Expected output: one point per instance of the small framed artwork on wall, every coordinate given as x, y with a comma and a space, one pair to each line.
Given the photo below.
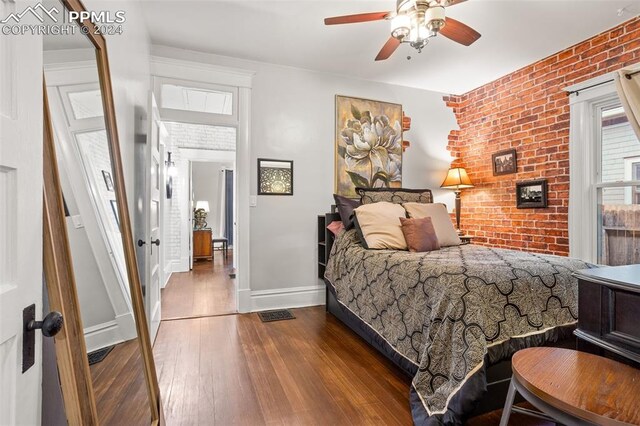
275, 177
505, 162
108, 181
531, 194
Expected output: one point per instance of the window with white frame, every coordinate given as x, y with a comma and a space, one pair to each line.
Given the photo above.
196, 102
604, 210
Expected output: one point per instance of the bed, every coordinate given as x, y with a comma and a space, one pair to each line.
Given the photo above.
452, 318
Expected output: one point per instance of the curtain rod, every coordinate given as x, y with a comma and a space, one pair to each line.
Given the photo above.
577, 92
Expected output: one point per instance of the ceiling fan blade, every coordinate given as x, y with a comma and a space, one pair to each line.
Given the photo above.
387, 50
352, 19
459, 32
452, 2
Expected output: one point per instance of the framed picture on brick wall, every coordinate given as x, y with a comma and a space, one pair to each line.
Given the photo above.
531, 194
505, 162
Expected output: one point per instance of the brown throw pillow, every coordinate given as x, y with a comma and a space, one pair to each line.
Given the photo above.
420, 234
442, 223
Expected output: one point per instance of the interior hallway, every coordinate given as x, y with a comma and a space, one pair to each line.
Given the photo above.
205, 291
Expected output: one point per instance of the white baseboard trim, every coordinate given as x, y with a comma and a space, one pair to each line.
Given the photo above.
244, 301
167, 275
180, 265
102, 335
281, 298
127, 326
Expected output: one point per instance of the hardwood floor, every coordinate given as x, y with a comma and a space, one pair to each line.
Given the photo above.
205, 291
309, 371
119, 387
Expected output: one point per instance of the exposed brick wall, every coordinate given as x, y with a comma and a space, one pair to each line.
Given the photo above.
528, 110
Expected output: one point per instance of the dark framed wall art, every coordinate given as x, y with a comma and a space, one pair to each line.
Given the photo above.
532, 194
504, 162
275, 177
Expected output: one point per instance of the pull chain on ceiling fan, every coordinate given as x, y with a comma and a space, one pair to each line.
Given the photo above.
415, 22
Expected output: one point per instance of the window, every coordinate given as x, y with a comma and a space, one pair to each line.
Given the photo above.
194, 99
604, 204
618, 221
196, 102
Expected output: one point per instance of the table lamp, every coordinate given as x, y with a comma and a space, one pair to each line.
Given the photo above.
200, 214
457, 179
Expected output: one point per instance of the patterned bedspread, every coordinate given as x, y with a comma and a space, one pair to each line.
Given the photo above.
444, 309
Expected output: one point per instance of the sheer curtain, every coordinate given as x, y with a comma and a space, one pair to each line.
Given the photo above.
628, 86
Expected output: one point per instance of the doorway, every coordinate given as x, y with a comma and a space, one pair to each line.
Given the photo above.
203, 212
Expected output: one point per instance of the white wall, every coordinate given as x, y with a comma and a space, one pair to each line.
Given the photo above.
292, 118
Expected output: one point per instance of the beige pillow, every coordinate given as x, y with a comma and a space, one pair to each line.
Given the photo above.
380, 225
445, 231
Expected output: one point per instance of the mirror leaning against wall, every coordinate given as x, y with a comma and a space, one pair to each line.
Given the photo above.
104, 354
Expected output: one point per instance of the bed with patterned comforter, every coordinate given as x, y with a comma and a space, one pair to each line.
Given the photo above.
451, 311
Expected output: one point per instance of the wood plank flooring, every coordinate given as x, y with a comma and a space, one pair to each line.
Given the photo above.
313, 370
204, 291
119, 387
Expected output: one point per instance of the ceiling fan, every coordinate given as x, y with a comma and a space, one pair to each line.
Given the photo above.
415, 22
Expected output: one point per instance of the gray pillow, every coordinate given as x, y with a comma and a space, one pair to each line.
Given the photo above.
346, 206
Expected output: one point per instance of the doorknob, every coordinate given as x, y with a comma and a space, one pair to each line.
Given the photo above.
50, 325
156, 242
141, 243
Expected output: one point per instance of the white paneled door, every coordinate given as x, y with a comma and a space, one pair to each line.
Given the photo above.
20, 222
153, 217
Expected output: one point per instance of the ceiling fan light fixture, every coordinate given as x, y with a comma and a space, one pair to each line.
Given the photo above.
405, 5
400, 26
435, 18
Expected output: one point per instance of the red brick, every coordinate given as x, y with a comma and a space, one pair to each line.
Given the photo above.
528, 110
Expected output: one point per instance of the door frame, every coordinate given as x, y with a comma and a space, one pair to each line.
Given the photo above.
188, 156
170, 67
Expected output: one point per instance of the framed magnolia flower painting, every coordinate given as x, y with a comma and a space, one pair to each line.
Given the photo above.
368, 145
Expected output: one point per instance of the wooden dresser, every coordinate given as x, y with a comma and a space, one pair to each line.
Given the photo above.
609, 312
202, 247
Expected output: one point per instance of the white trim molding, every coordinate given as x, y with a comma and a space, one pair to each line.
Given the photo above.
110, 333
175, 63
281, 298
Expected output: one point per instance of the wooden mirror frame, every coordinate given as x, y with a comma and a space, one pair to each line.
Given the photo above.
71, 351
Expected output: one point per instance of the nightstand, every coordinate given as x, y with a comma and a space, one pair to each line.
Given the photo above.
466, 239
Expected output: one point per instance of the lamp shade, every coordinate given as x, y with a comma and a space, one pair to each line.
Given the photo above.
203, 205
457, 178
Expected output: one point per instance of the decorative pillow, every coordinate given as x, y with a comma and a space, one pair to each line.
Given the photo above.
345, 209
379, 225
394, 195
447, 235
336, 227
420, 234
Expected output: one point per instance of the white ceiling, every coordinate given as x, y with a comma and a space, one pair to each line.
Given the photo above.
515, 33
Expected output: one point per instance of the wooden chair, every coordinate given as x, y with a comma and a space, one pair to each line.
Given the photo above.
574, 388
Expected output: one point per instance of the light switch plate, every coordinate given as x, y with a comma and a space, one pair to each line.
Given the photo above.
77, 221
253, 200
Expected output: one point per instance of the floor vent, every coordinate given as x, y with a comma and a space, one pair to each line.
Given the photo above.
277, 315
97, 356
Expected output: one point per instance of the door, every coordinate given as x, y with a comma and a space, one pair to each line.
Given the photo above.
191, 206
20, 220
153, 219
